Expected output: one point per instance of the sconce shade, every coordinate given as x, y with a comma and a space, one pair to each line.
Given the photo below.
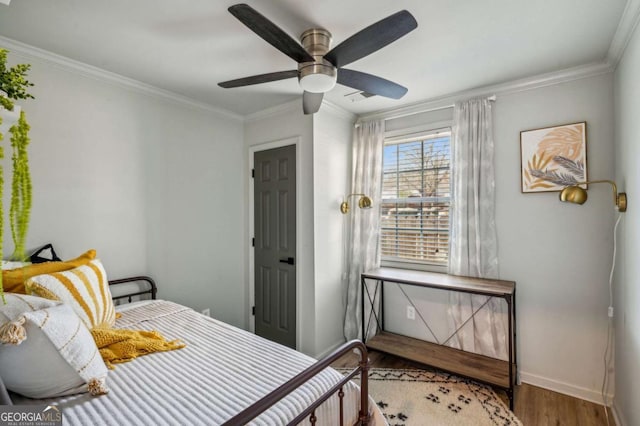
576, 194
573, 194
364, 203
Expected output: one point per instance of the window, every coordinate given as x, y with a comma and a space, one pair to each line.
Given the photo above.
415, 199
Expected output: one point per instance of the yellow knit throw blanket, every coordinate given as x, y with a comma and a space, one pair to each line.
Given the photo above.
118, 345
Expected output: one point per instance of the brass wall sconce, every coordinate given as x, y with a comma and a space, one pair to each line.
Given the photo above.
576, 194
364, 203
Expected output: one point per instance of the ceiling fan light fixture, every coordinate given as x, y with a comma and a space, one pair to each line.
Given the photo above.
320, 67
317, 78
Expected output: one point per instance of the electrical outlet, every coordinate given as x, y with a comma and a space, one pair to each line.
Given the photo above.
206, 312
411, 312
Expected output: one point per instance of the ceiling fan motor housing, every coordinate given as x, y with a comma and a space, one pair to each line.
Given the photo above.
320, 75
319, 67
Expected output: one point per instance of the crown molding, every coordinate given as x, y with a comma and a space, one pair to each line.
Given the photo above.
338, 111
29, 52
294, 105
520, 85
626, 27
628, 23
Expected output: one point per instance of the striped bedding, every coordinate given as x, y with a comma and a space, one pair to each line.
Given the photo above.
221, 371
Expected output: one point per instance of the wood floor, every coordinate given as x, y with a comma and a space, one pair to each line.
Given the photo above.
534, 406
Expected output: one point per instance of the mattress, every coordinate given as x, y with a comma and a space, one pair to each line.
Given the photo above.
221, 371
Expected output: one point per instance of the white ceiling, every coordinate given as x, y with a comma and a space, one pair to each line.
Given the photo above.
187, 47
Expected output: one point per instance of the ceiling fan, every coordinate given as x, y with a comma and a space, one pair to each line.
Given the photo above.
320, 68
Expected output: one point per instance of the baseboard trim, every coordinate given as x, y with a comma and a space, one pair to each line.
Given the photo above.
562, 387
332, 348
617, 415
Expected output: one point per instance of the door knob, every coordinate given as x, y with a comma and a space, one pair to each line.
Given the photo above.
289, 260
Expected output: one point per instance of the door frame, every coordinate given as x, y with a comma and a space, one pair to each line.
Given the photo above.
252, 279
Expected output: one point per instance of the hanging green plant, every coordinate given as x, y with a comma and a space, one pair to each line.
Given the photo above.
13, 81
1, 211
6, 103
20, 209
13, 86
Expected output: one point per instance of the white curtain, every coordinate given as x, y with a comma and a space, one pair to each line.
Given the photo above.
363, 233
473, 241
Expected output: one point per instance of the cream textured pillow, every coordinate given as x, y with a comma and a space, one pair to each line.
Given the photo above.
84, 288
47, 351
17, 304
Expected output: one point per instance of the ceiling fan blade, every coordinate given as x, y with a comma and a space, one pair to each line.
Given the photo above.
257, 79
270, 32
370, 84
372, 38
311, 102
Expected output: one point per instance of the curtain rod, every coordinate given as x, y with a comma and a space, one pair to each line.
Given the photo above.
392, 116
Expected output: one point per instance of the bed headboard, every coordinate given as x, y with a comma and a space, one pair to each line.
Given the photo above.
147, 281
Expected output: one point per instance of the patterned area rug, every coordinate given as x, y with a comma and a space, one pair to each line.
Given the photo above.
417, 398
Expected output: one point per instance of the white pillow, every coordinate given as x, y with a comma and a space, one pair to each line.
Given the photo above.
17, 304
35, 367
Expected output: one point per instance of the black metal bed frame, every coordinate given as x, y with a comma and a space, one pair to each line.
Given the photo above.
153, 288
285, 389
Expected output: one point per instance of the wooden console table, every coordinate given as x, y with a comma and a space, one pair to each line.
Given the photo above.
492, 371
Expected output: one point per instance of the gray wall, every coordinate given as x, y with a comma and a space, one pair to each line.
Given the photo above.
558, 254
194, 199
151, 183
332, 132
627, 277
86, 156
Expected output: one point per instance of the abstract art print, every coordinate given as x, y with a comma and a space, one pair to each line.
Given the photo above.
553, 157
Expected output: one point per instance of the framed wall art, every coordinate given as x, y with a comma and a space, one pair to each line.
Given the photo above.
553, 157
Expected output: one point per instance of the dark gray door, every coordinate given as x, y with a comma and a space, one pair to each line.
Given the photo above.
275, 244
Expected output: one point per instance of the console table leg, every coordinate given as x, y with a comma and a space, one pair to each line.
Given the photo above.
511, 399
363, 283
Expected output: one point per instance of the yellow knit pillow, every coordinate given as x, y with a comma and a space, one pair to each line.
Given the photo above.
13, 279
84, 288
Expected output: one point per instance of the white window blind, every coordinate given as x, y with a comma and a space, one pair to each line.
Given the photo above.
415, 199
